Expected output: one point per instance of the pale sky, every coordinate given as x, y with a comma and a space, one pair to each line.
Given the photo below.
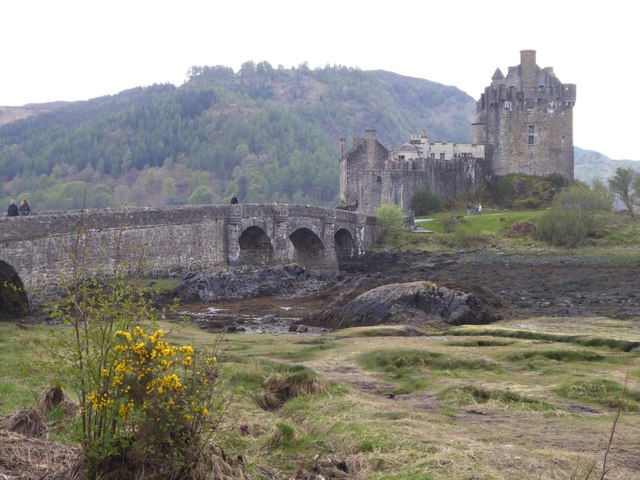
81, 49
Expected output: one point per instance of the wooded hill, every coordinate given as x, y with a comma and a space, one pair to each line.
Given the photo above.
269, 134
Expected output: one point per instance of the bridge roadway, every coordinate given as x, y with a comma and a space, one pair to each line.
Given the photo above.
38, 251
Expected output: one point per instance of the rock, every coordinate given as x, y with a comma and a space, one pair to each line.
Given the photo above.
252, 281
268, 319
302, 329
405, 303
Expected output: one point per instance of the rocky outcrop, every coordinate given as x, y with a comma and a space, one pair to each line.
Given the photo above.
404, 303
250, 282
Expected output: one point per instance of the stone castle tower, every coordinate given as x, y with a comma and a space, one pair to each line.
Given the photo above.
524, 124
527, 117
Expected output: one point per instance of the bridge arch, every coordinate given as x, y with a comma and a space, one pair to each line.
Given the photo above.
13, 297
255, 247
306, 247
344, 244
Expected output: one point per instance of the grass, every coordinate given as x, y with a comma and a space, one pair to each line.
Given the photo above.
605, 393
399, 360
23, 376
495, 228
469, 394
518, 330
409, 407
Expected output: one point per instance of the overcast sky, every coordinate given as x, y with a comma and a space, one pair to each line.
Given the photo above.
81, 49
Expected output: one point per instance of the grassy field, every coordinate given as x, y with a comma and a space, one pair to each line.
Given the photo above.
517, 400
454, 229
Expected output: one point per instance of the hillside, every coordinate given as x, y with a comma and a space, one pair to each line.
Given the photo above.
590, 165
268, 134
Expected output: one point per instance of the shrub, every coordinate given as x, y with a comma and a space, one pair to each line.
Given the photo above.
142, 401
572, 217
390, 220
426, 202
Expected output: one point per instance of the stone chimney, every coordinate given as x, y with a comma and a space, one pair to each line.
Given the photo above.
370, 146
528, 68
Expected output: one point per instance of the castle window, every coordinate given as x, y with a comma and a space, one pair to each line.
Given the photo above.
378, 178
442, 156
531, 134
432, 155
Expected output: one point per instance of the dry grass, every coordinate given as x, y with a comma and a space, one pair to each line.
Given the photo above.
27, 458
339, 420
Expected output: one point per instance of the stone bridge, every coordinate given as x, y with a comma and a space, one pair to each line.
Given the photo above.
37, 251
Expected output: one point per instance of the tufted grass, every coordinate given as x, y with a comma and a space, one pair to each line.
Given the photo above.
413, 407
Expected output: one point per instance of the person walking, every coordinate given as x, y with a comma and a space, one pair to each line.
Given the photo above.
468, 209
234, 199
24, 208
13, 209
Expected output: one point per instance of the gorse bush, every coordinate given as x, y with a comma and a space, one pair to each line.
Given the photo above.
148, 404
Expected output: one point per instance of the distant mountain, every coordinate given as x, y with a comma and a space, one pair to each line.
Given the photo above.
268, 134
590, 165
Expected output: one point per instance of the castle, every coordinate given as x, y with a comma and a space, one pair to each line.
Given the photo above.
523, 124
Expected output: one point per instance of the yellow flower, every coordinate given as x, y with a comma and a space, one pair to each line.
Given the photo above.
104, 373
187, 349
121, 367
157, 335
187, 361
125, 335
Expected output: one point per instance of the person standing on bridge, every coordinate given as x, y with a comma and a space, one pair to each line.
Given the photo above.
24, 208
13, 209
234, 199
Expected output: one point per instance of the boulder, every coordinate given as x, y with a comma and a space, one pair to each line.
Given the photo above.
405, 303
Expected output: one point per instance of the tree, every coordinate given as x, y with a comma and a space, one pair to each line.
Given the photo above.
622, 185
202, 194
169, 189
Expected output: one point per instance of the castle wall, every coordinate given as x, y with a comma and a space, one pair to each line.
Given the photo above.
446, 178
